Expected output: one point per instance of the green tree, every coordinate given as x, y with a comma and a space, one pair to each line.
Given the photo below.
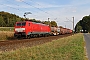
79, 29
83, 24
53, 24
8, 19
46, 22
2, 23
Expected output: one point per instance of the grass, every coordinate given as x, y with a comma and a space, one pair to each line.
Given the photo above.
69, 48
6, 35
6, 28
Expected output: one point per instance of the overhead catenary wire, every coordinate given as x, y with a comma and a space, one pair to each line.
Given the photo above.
27, 4
14, 7
35, 2
20, 9
39, 8
36, 7
10, 7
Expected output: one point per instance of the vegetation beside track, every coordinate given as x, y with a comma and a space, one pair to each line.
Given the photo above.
6, 28
68, 48
6, 35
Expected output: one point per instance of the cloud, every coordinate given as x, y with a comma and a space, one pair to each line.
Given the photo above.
80, 3
45, 5
19, 0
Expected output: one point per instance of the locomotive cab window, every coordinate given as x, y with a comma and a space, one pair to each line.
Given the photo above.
24, 23
18, 24
21, 24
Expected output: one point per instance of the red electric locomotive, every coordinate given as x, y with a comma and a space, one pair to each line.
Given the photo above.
31, 29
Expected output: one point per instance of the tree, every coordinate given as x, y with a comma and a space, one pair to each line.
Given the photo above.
8, 19
2, 23
53, 24
46, 22
83, 24
79, 29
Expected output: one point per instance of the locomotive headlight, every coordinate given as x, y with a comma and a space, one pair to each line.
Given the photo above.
20, 29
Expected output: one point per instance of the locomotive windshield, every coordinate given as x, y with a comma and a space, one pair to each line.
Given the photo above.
21, 24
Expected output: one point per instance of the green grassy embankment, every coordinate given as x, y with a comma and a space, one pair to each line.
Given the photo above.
68, 48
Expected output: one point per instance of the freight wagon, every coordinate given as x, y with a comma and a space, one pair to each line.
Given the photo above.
65, 31
55, 31
69, 31
58, 31
62, 30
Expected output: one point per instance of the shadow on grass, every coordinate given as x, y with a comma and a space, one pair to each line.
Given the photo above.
11, 38
14, 38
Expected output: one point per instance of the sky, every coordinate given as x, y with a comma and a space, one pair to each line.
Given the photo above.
60, 11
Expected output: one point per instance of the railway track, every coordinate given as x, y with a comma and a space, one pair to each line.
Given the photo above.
17, 44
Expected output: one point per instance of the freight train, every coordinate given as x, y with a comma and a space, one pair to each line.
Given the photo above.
30, 29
